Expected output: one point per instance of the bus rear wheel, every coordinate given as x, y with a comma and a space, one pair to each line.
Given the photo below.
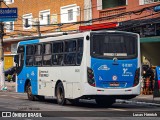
105, 102
60, 94
29, 92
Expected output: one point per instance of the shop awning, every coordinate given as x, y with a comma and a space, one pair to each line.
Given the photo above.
150, 39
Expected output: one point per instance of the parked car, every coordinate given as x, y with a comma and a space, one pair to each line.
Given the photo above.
10, 74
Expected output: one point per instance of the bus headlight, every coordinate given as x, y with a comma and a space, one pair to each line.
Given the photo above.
90, 77
136, 77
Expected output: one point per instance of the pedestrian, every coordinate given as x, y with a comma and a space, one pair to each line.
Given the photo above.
147, 85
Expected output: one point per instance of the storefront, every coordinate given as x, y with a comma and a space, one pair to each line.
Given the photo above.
9, 52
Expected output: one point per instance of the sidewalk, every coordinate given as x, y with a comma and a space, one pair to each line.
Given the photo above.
147, 98
11, 86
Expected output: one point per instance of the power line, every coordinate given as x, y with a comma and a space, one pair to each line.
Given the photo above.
134, 12
76, 24
61, 25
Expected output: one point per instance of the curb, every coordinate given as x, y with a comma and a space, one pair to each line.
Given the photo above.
139, 102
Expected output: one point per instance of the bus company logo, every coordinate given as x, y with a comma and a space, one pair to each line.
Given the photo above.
103, 67
6, 114
114, 77
21, 115
124, 70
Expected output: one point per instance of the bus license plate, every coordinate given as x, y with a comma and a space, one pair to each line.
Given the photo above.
114, 84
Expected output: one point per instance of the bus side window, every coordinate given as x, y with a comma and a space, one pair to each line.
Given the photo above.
57, 56
38, 55
20, 59
29, 55
70, 52
47, 54
79, 51
21, 56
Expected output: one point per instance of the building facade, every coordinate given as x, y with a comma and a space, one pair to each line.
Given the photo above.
48, 17
126, 9
41, 18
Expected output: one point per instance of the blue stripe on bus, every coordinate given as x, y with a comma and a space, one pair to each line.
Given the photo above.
107, 72
28, 42
28, 73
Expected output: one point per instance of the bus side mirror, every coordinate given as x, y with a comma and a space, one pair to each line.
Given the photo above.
16, 59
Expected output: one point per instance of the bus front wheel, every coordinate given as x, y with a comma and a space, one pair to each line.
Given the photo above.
29, 92
106, 102
60, 94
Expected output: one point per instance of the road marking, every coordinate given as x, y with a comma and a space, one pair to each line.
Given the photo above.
117, 109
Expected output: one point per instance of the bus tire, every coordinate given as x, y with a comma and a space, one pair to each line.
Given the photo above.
29, 92
60, 94
105, 102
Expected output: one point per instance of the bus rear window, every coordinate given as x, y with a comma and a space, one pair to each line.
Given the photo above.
114, 45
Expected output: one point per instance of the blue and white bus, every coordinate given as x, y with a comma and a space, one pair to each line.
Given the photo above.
100, 65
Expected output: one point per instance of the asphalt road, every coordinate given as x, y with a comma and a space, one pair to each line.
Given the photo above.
18, 103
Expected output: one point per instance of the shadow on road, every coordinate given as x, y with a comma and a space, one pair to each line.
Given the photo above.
81, 103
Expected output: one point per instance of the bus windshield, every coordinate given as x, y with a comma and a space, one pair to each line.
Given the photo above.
112, 45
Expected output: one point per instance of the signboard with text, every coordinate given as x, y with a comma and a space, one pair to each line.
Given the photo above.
8, 14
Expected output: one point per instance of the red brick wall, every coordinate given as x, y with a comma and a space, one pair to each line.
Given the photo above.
132, 6
34, 6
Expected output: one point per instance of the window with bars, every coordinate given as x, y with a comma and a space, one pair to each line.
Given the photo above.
150, 1
70, 15
9, 26
142, 2
26, 24
27, 21
113, 3
44, 17
9, 1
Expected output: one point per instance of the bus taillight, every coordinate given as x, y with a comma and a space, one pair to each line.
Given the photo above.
136, 77
90, 75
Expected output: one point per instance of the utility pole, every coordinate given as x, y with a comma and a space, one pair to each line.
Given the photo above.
37, 25
38, 28
2, 78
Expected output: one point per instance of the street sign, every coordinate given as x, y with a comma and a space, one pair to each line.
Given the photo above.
157, 8
8, 14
